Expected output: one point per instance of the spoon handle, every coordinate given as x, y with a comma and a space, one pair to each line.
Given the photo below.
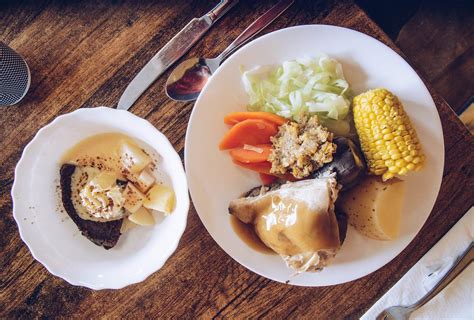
458, 266
258, 25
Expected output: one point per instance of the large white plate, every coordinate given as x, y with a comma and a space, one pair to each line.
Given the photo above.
55, 241
214, 180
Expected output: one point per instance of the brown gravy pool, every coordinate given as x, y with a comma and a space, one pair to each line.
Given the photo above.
247, 234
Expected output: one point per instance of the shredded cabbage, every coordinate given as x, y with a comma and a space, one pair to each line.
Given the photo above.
312, 86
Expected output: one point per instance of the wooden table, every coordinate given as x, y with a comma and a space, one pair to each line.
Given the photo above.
83, 54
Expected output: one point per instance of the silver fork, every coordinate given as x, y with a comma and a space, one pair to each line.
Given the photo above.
403, 312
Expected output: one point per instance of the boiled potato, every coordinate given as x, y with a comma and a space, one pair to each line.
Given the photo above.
143, 180
134, 198
160, 198
142, 217
127, 225
133, 157
374, 207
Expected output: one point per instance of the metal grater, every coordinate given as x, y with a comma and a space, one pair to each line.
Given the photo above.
14, 76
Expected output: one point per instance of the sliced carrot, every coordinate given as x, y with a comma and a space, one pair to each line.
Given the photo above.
236, 117
264, 167
261, 167
267, 179
251, 156
250, 131
288, 177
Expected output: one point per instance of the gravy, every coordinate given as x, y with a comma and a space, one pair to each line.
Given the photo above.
101, 151
295, 219
247, 234
291, 227
91, 156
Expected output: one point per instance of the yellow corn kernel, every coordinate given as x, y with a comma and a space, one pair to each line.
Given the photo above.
393, 169
403, 171
379, 172
389, 163
400, 163
387, 137
387, 175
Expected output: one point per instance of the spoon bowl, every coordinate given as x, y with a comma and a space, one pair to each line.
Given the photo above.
189, 78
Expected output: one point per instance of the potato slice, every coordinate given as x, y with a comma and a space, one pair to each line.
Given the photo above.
142, 217
160, 198
127, 225
133, 198
134, 158
143, 181
374, 207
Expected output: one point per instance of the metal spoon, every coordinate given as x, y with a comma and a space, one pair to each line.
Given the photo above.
189, 77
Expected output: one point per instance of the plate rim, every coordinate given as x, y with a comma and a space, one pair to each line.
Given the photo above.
20, 171
438, 123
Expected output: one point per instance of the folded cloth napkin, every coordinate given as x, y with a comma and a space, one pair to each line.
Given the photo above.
456, 301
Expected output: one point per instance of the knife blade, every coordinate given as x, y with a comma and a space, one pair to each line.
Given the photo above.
171, 52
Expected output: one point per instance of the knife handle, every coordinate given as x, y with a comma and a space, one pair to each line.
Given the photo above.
221, 9
258, 25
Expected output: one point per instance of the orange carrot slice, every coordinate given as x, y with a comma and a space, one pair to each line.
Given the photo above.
250, 131
247, 155
261, 167
236, 117
264, 167
267, 179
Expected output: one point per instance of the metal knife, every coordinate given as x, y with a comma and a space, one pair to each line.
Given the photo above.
171, 52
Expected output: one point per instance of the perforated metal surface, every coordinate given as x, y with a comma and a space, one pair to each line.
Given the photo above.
14, 76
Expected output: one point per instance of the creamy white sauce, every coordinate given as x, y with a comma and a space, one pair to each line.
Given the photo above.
93, 156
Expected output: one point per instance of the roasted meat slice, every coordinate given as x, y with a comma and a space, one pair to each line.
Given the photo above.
348, 164
105, 234
296, 220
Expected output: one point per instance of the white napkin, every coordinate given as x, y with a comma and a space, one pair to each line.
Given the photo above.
456, 301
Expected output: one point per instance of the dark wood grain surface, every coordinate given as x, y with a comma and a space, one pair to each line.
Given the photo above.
83, 54
438, 38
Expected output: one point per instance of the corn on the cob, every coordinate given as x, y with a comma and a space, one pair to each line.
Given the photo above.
387, 137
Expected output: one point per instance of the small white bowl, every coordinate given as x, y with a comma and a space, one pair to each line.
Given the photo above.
52, 237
